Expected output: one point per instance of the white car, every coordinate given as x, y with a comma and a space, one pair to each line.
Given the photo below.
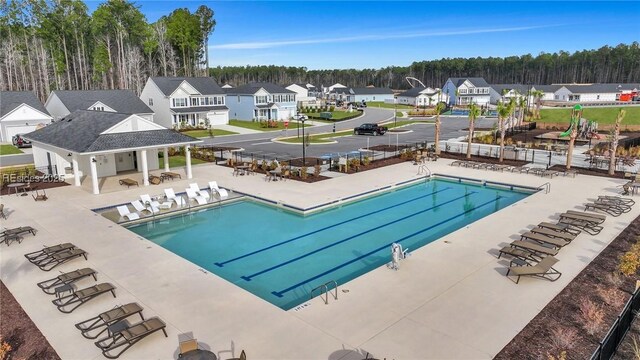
301, 117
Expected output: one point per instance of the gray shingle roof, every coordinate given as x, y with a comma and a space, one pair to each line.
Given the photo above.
204, 85
122, 101
195, 109
476, 81
371, 91
81, 130
595, 88
521, 88
547, 88
413, 92
9, 100
252, 88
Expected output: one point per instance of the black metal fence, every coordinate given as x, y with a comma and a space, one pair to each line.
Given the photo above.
608, 346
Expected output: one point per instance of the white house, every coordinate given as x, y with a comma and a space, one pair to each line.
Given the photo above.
505, 92
63, 102
549, 91
305, 93
585, 93
359, 95
261, 101
179, 101
20, 112
103, 143
422, 96
464, 91
328, 89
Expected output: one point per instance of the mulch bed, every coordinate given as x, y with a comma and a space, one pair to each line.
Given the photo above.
388, 148
485, 159
536, 340
17, 329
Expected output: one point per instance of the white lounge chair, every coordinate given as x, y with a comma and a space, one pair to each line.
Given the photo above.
137, 204
193, 195
146, 199
202, 193
222, 193
124, 212
171, 196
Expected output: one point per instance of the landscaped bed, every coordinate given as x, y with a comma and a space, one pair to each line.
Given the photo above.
580, 316
23, 338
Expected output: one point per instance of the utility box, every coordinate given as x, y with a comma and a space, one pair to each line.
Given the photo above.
326, 115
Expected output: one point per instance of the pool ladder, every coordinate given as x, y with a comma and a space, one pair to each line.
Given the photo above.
424, 170
326, 291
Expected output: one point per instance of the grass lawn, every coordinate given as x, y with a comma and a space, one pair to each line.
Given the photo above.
9, 150
602, 115
255, 125
399, 114
205, 133
382, 104
179, 160
335, 115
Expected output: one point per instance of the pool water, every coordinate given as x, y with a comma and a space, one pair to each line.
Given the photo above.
281, 256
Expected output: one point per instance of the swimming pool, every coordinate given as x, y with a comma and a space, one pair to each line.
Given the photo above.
281, 256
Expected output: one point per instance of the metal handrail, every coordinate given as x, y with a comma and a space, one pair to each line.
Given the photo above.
547, 187
326, 291
423, 169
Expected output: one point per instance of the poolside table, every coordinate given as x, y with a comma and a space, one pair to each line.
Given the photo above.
170, 175
242, 169
199, 354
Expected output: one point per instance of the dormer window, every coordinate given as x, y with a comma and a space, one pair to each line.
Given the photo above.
98, 108
179, 102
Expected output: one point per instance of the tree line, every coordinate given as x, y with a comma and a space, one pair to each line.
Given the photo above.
619, 64
55, 44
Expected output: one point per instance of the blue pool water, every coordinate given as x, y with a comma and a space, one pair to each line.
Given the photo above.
281, 256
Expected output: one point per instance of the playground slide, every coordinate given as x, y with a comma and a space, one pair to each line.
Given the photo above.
568, 132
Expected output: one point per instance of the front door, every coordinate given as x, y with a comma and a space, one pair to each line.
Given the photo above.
125, 161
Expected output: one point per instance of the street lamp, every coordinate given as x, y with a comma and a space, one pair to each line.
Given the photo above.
304, 163
395, 112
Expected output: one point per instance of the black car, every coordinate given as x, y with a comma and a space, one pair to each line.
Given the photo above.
19, 141
373, 129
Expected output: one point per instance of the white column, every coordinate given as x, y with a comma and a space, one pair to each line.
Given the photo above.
187, 153
165, 156
94, 175
76, 170
145, 168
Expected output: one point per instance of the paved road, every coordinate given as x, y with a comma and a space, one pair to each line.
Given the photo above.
452, 127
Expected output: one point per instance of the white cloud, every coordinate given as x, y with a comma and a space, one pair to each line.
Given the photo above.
272, 44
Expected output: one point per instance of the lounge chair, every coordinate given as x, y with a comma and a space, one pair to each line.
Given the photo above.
222, 193
534, 248
192, 195
67, 304
553, 233
544, 269
124, 212
601, 218
203, 193
518, 253
543, 239
171, 196
188, 345
128, 182
612, 210
146, 200
137, 204
60, 258
46, 252
617, 199
560, 227
19, 231
550, 173
129, 336
4, 216
623, 206
578, 216
48, 286
501, 167
587, 226
92, 328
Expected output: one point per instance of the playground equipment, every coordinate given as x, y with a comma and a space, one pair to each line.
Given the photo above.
585, 129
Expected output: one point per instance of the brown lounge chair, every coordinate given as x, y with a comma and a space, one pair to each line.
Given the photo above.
586, 226
48, 286
560, 228
535, 248
47, 264
617, 199
129, 336
544, 269
67, 304
37, 256
518, 253
600, 218
553, 233
128, 182
543, 239
106, 319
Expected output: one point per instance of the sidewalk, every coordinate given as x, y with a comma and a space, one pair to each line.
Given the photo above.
236, 129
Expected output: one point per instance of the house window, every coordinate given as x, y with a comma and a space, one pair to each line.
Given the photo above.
261, 99
98, 108
238, 98
598, 97
195, 101
150, 102
462, 91
179, 102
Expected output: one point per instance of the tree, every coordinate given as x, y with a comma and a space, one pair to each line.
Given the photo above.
576, 115
503, 112
615, 137
522, 106
438, 110
184, 33
537, 99
207, 25
474, 112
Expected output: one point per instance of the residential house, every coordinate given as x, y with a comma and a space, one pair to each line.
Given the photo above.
464, 91
305, 93
422, 96
181, 101
21, 112
63, 102
549, 91
102, 143
585, 93
359, 95
329, 89
505, 92
261, 101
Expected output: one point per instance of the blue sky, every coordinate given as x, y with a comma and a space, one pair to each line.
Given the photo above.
375, 34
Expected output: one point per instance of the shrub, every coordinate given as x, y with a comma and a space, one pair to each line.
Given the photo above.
316, 170
172, 151
563, 339
366, 161
332, 108
630, 261
303, 172
592, 316
5, 349
354, 164
612, 296
561, 356
273, 165
264, 165
614, 279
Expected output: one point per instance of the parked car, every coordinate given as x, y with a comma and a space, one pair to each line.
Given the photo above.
301, 117
372, 129
19, 141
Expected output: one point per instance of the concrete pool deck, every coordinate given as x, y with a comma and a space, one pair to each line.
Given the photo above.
449, 300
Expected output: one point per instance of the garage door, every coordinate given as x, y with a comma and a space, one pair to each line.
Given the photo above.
218, 117
17, 129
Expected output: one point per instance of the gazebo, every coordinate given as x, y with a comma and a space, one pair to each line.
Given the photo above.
105, 144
